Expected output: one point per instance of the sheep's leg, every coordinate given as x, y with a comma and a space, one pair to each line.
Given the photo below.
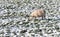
43, 17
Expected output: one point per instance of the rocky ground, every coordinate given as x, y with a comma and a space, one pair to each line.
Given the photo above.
14, 20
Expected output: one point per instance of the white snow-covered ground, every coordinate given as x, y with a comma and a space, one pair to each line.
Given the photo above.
14, 21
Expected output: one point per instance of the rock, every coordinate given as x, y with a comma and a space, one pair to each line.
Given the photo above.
23, 31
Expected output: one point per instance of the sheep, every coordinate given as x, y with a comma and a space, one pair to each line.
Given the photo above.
37, 13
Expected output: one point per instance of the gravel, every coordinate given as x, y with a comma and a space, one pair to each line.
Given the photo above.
14, 18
